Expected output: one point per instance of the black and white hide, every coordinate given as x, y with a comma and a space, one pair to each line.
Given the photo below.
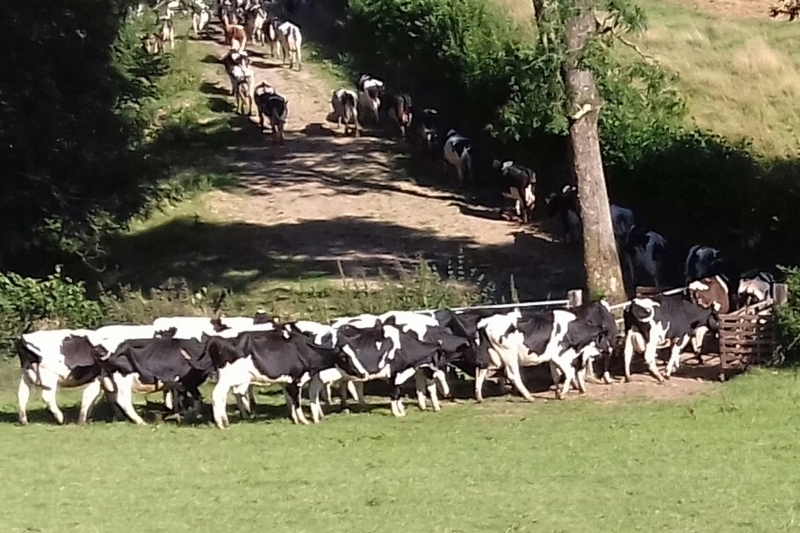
755, 287
59, 358
457, 153
154, 364
291, 44
396, 108
557, 338
264, 358
702, 262
518, 185
425, 131
645, 252
345, 110
370, 91
272, 36
275, 108
564, 206
664, 322
237, 66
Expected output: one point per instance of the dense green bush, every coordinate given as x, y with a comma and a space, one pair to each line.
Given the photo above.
788, 319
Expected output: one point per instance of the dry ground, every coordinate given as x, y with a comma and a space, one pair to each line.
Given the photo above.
326, 198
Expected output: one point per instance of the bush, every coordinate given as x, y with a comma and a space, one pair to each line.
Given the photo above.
788, 319
55, 302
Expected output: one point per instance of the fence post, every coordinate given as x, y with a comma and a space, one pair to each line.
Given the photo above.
780, 294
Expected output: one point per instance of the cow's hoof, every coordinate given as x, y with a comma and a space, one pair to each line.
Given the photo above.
23, 422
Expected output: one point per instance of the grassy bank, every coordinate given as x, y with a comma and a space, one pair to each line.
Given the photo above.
739, 77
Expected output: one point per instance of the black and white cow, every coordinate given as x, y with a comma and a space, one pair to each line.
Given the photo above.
396, 107
564, 205
58, 358
370, 91
755, 287
237, 66
518, 185
457, 153
345, 109
425, 130
385, 352
663, 322
291, 44
154, 364
271, 36
709, 293
622, 221
275, 108
702, 262
557, 337
645, 252
264, 358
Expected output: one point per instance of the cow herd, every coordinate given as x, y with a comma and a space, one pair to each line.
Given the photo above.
177, 355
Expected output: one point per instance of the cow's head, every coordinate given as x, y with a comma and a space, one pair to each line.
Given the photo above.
643, 309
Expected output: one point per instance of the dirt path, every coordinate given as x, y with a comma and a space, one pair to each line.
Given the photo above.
325, 197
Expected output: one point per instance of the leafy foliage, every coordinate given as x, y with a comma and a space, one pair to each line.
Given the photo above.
788, 318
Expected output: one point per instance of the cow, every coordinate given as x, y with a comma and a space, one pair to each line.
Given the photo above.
275, 108
564, 205
754, 287
622, 222
385, 352
663, 322
254, 18
710, 293
291, 44
237, 66
235, 37
370, 92
645, 252
556, 337
457, 153
518, 184
167, 33
598, 314
396, 107
58, 358
345, 109
702, 262
272, 36
424, 130
154, 364
200, 17
264, 358
194, 327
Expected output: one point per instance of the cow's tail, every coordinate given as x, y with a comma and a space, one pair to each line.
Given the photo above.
29, 362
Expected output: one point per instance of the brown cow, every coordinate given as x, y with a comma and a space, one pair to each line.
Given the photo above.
235, 37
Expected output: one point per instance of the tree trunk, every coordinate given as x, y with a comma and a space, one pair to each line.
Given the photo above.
603, 272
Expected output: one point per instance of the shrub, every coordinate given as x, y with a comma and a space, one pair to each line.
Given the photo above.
788, 319
52, 303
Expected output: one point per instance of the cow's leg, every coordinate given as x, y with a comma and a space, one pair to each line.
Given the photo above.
124, 398
49, 382
650, 355
513, 374
396, 403
23, 395
169, 402
675, 356
90, 394
434, 396
565, 367
441, 381
480, 377
359, 387
315, 388
421, 382
581, 379
554, 375
628, 354
243, 403
219, 398
697, 342
292, 393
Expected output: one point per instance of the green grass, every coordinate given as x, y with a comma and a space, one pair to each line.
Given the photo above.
719, 463
738, 74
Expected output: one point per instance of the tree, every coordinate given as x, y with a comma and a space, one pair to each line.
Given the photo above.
600, 258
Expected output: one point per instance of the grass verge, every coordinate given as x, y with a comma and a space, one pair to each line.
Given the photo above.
716, 463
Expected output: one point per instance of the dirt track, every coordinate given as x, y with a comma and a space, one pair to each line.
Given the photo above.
326, 197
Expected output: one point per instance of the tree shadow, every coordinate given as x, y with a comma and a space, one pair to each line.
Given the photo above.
214, 89
211, 59
265, 65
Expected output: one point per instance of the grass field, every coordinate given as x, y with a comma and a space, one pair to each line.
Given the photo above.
738, 74
716, 463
